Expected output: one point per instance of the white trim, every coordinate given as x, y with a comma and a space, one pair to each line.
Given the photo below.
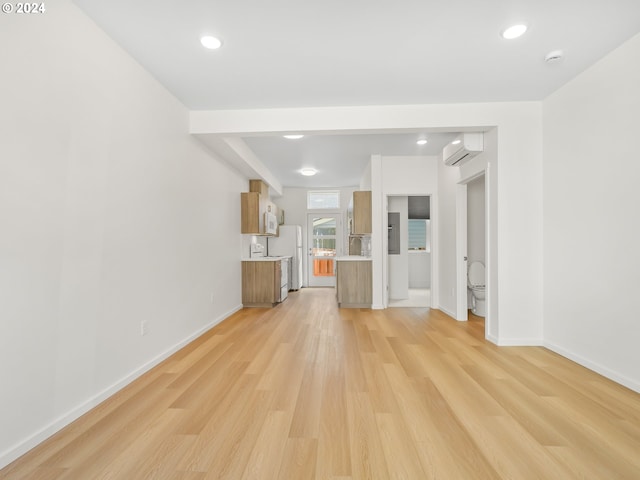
462, 314
492, 339
40, 436
604, 371
451, 314
491, 307
520, 342
435, 249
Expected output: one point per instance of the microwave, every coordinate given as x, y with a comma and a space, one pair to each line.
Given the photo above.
270, 224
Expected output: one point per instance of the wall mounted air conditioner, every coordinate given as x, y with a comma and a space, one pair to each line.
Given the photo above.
463, 149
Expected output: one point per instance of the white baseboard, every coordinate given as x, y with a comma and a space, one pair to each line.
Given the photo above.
519, 342
24, 446
604, 371
492, 339
451, 314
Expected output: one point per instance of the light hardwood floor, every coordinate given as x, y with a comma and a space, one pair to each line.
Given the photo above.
307, 391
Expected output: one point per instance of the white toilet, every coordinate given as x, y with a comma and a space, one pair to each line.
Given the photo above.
476, 282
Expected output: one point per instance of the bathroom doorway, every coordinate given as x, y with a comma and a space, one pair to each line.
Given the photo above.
471, 238
409, 251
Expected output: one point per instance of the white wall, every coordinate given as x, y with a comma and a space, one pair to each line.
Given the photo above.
399, 264
448, 178
365, 181
111, 214
476, 220
419, 269
591, 220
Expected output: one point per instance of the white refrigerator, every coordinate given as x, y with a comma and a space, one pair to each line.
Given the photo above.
289, 243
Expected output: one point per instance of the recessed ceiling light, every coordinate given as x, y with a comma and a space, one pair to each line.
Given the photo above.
212, 43
308, 172
422, 141
514, 31
293, 137
455, 142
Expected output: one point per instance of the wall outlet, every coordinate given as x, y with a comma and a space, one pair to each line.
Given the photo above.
144, 327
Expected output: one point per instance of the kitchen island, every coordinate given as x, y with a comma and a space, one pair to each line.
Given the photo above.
354, 281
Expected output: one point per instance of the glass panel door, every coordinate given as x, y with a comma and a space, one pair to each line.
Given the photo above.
323, 237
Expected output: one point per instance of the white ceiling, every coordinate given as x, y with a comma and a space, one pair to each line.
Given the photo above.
339, 159
298, 53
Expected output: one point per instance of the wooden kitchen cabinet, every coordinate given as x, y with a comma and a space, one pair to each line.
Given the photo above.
258, 186
261, 283
251, 213
354, 283
361, 215
253, 205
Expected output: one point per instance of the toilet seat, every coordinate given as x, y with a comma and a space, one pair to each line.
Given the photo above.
475, 275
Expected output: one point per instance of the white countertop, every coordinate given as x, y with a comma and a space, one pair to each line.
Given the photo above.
353, 258
265, 259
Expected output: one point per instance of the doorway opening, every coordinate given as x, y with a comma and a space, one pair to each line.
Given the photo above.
409, 251
472, 247
324, 231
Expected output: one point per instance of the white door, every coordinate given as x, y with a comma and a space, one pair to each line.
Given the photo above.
324, 232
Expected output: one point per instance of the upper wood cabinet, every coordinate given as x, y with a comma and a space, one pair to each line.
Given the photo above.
253, 205
361, 221
251, 213
260, 187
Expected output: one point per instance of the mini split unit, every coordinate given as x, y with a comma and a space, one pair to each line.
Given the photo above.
463, 149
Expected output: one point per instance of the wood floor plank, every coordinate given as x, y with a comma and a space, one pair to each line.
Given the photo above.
443, 429
381, 395
224, 445
306, 418
367, 454
299, 459
267, 453
309, 391
400, 451
522, 405
334, 458
157, 449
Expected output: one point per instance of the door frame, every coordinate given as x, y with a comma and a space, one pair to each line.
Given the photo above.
461, 249
462, 306
435, 262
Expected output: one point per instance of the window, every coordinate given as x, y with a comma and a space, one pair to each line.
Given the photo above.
323, 200
418, 235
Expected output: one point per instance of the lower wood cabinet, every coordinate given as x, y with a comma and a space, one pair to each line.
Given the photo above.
354, 283
260, 283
